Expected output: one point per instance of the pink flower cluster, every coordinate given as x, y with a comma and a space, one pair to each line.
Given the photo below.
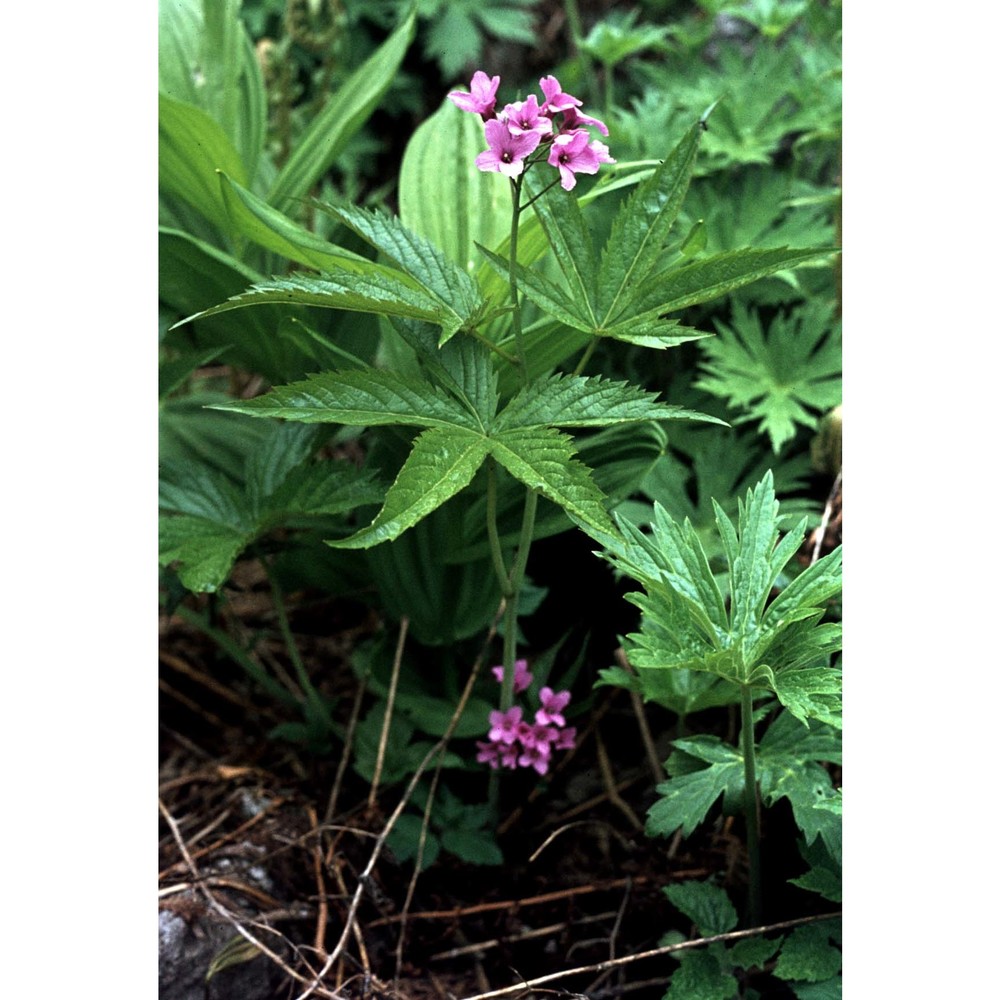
520, 128
513, 742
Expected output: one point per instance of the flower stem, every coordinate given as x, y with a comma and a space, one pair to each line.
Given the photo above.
750, 804
515, 192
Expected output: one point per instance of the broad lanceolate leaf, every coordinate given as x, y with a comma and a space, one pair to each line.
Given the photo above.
575, 401
192, 148
360, 398
443, 462
640, 230
425, 263
342, 116
707, 906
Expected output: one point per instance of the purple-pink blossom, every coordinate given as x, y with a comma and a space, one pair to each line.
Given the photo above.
483, 97
550, 714
522, 679
507, 151
514, 133
573, 153
525, 116
513, 742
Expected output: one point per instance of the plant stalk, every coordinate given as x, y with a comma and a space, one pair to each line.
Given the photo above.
751, 805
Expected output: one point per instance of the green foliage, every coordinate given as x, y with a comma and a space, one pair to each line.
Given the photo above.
208, 519
785, 377
686, 622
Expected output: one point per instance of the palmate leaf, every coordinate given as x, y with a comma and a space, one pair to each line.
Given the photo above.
785, 378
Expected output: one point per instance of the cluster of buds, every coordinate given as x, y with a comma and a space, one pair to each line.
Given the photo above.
513, 742
514, 133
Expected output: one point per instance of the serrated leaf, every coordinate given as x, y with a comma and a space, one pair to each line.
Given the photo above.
753, 953
701, 977
442, 462
705, 904
206, 550
341, 118
380, 291
577, 401
686, 799
709, 277
543, 459
417, 256
641, 228
829, 989
808, 954
544, 293
812, 693
785, 378
366, 398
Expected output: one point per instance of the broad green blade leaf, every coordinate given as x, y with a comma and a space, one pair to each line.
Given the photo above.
443, 462
545, 294
542, 458
359, 398
192, 148
640, 229
253, 218
323, 488
707, 278
180, 26
809, 955
701, 976
653, 331
341, 118
383, 292
173, 374
576, 401
445, 197
203, 493
418, 257
559, 213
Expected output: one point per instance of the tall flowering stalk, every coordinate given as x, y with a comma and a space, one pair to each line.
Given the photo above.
520, 136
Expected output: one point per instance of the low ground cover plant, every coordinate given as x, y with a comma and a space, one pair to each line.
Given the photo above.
398, 405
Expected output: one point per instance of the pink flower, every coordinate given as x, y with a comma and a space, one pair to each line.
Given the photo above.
488, 753
538, 734
483, 98
522, 679
573, 152
505, 727
525, 116
566, 740
572, 118
536, 756
507, 151
552, 705
555, 99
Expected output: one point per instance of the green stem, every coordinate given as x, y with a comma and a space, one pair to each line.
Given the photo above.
751, 804
585, 357
515, 216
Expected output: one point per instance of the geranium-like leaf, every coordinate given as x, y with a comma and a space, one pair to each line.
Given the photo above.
442, 462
